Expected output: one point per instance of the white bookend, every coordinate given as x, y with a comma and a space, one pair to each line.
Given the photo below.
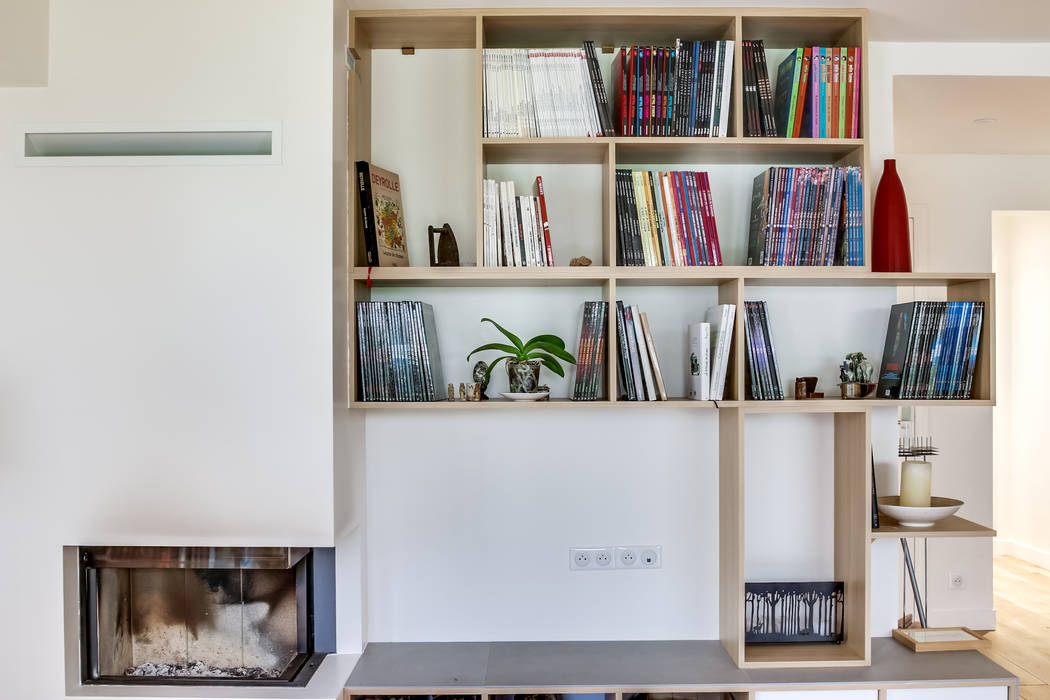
643, 354
700, 361
727, 86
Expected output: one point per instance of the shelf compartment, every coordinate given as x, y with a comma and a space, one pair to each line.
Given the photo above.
952, 526
605, 27
421, 29
557, 404
738, 150
481, 276
546, 150
788, 29
801, 656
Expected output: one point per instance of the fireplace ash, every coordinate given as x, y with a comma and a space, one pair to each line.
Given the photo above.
199, 669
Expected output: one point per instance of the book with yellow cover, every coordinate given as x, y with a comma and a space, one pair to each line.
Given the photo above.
382, 216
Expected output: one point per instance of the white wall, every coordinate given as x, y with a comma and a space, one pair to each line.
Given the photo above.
1021, 241
165, 365
23, 43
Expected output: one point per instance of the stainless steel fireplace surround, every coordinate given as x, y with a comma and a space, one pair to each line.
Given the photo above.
200, 615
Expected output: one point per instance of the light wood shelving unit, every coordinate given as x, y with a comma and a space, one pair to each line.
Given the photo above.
608, 27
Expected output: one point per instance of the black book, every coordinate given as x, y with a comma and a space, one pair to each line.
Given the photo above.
769, 123
364, 190
672, 88
749, 88
601, 99
624, 372
683, 66
756, 243
874, 496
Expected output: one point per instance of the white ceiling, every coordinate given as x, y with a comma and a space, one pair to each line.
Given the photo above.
891, 20
936, 113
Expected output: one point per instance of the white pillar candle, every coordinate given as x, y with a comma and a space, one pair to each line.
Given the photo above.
915, 483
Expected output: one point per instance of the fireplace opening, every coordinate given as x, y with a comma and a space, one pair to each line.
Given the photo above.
205, 615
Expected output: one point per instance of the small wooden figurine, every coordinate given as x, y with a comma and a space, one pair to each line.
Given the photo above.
447, 250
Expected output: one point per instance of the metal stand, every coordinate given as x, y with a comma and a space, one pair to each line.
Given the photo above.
914, 583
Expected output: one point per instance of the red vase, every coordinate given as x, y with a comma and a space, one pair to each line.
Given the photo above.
890, 251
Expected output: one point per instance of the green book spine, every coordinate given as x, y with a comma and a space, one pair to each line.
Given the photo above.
794, 93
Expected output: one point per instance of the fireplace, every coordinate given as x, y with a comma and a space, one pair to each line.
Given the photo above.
204, 615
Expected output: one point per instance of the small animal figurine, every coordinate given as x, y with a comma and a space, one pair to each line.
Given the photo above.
447, 250
462, 391
479, 378
451, 391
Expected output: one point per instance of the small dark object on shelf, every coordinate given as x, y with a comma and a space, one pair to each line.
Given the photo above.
793, 612
804, 388
447, 250
916, 447
582, 261
480, 368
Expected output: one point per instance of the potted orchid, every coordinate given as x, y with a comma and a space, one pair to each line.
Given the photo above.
524, 359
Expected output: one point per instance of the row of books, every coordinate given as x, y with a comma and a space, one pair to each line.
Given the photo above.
709, 346
931, 350
398, 355
516, 229
544, 93
680, 90
590, 355
759, 119
807, 216
818, 93
665, 218
763, 372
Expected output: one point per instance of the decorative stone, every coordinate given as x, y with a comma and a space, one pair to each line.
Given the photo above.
479, 378
582, 261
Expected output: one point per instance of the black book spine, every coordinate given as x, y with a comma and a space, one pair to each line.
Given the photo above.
672, 89
684, 62
601, 99
626, 376
774, 366
368, 228
632, 217
874, 496
769, 124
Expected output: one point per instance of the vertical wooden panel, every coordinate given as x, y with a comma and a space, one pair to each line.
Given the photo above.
737, 104
852, 524
984, 372
609, 205
479, 152
732, 292
359, 145
731, 531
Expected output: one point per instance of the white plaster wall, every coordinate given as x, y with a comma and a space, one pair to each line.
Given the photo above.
1022, 241
165, 364
23, 43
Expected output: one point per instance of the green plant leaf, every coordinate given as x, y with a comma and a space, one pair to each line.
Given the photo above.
560, 353
549, 339
488, 372
502, 347
510, 336
548, 362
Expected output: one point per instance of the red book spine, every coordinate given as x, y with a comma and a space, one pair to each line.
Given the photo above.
647, 101
632, 103
685, 230
546, 224
709, 205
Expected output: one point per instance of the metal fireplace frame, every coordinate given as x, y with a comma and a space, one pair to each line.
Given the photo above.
315, 601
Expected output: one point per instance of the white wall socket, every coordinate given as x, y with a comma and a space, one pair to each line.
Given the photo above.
955, 581
646, 556
590, 558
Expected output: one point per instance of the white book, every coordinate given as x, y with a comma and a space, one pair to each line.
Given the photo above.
485, 222
727, 86
530, 96
541, 85
515, 233
632, 351
587, 93
643, 353
721, 318
492, 212
700, 361
672, 219
526, 219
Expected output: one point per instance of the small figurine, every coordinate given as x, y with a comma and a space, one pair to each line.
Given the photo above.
477, 392
479, 378
447, 250
582, 261
462, 391
451, 391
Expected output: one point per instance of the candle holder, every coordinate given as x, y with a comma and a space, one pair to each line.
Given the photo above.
915, 507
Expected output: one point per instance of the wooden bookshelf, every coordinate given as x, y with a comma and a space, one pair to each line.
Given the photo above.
477, 29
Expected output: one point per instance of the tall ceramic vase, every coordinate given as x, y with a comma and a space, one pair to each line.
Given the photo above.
890, 251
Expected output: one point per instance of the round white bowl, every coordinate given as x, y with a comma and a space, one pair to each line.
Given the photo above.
917, 516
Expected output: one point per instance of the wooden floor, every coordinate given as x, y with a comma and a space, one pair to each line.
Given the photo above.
1021, 641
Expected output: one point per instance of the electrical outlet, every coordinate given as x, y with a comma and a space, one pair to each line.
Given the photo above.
650, 557
590, 558
955, 581
626, 557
